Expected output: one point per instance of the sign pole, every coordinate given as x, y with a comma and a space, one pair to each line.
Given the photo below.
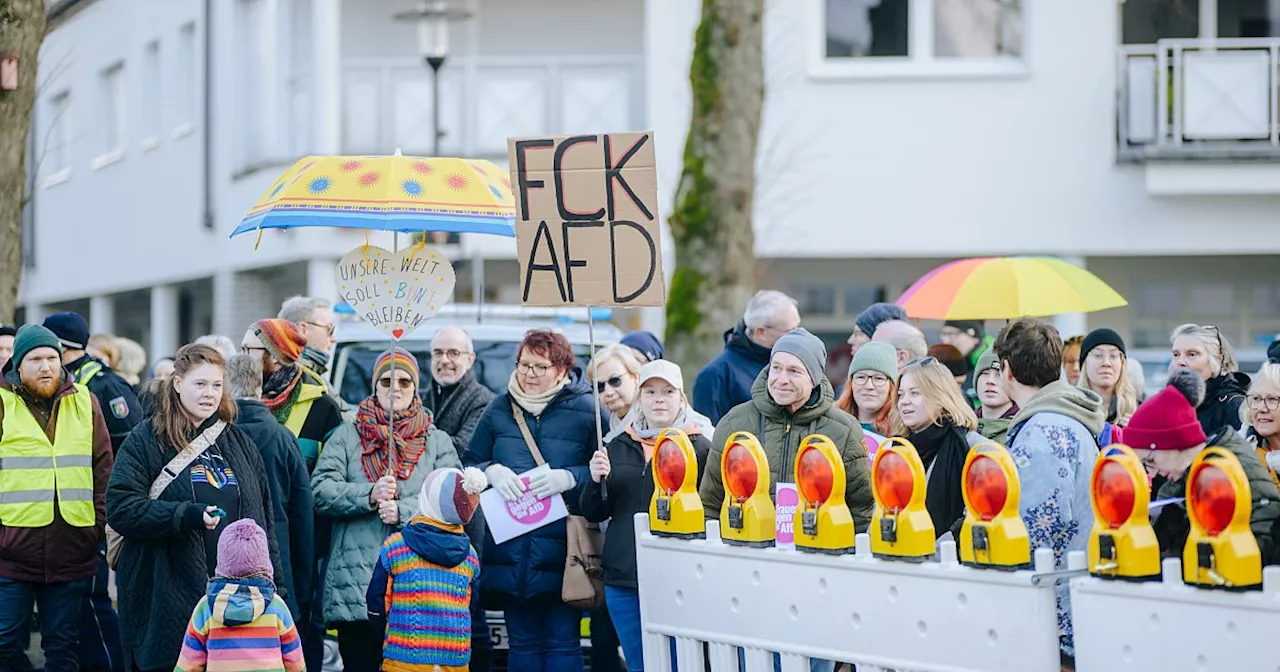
595, 392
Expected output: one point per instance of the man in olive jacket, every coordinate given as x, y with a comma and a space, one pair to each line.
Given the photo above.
790, 400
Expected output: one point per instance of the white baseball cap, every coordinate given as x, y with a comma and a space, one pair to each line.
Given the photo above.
665, 370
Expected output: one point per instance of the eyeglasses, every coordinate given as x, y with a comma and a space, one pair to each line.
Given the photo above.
404, 383
327, 327
450, 354
921, 361
614, 382
532, 369
1258, 402
877, 380
248, 349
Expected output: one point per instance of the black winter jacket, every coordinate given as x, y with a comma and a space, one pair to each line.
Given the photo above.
630, 485
1222, 398
162, 572
293, 506
458, 413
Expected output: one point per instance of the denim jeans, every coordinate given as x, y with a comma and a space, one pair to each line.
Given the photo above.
624, 609
59, 622
545, 635
100, 646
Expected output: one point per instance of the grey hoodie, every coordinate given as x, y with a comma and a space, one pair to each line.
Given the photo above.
1064, 398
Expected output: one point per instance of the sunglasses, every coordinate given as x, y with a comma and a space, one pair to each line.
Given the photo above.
922, 361
614, 382
404, 383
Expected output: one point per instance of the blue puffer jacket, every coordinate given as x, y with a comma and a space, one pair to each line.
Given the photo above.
533, 564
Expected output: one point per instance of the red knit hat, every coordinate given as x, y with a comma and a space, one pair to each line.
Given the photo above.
282, 339
1167, 421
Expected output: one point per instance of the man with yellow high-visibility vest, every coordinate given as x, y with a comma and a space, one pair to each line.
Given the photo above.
55, 459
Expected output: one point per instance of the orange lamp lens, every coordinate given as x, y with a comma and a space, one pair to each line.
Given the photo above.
1212, 498
671, 466
987, 486
740, 472
893, 481
1114, 492
815, 478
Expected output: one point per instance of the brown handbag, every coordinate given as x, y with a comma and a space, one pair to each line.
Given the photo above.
584, 563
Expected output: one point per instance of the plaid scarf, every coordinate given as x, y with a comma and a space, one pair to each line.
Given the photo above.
377, 453
281, 390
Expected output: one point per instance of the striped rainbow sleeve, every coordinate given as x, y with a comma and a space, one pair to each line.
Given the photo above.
195, 651
290, 644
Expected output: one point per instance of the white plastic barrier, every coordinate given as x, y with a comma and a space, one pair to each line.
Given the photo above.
934, 617
1170, 626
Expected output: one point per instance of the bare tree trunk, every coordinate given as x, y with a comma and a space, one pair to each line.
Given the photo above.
715, 272
22, 27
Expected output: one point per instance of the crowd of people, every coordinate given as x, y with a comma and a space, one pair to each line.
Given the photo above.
244, 506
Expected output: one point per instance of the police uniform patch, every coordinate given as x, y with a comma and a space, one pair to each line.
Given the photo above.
119, 407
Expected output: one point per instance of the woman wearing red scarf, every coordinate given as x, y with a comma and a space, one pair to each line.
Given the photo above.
367, 481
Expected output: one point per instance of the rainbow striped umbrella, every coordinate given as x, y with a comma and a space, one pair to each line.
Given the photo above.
1005, 288
388, 193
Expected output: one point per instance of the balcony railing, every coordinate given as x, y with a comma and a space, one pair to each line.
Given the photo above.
1200, 99
386, 103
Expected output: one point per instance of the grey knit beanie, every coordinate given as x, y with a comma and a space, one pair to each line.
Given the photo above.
807, 348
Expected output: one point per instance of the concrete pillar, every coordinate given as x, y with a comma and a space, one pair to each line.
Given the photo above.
164, 321
36, 312
224, 303
1071, 324
102, 314
326, 68
322, 278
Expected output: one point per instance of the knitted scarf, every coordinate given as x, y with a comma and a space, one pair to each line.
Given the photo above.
943, 450
377, 453
281, 390
534, 403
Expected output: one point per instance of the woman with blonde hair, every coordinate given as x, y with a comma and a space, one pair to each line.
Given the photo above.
103, 347
1204, 350
1104, 369
615, 372
1261, 415
934, 416
871, 391
133, 361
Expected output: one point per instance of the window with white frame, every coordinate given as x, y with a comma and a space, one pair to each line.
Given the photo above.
255, 37
185, 108
915, 31
152, 102
54, 156
112, 111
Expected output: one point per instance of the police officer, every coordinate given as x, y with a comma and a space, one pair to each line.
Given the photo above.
99, 625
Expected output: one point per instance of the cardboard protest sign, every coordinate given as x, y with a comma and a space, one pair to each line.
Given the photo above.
587, 232
508, 520
393, 291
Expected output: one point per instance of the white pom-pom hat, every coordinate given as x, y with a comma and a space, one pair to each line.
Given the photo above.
451, 496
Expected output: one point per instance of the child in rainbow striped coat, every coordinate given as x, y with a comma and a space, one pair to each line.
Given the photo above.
420, 595
241, 623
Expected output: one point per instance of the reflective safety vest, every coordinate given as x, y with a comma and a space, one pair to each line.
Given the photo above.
34, 472
310, 448
88, 371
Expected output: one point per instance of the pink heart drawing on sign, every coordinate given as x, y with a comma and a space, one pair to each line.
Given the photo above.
397, 333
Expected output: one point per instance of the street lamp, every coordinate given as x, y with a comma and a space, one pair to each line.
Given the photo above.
432, 20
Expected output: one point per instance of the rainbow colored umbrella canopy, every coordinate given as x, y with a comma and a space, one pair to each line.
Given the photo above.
388, 193
1005, 288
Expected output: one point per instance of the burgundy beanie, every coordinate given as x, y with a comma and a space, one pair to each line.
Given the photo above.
242, 551
1167, 421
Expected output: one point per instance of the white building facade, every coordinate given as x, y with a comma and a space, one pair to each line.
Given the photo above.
1139, 139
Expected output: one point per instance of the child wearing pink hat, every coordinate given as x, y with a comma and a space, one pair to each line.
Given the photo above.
241, 623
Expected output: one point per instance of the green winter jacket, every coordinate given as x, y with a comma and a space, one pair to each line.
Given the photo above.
781, 438
1266, 501
342, 493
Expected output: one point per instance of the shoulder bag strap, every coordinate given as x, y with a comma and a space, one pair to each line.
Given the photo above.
185, 457
528, 438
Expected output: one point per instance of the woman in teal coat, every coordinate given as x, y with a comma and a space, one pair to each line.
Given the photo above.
368, 485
